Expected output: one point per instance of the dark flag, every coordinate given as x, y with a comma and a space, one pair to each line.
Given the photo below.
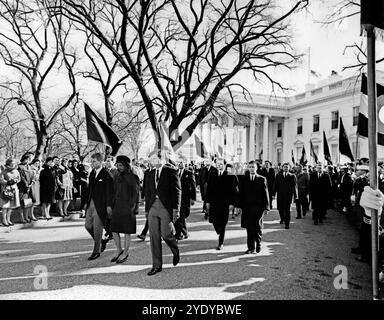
99, 131
362, 126
372, 13
327, 154
303, 159
200, 148
293, 158
344, 147
313, 152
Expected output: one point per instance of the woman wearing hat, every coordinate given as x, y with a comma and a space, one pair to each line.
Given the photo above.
127, 186
9, 178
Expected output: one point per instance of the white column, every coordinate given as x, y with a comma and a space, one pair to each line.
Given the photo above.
265, 138
251, 154
257, 141
287, 154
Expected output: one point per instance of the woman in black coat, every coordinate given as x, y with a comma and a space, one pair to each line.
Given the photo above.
47, 187
125, 207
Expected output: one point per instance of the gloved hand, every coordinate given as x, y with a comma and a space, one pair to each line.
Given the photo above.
372, 199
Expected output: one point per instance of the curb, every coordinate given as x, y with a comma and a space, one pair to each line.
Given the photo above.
18, 226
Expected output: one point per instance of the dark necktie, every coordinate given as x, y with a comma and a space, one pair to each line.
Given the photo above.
157, 176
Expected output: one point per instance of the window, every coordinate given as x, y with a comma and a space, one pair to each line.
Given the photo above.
316, 91
300, 126
279, 130
316, 123
335, 85
279, 160
355, 115
335, 120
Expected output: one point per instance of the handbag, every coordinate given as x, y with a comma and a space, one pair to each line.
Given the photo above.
7, 194
59, 195
27, 202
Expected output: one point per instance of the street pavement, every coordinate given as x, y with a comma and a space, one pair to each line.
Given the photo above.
299, 263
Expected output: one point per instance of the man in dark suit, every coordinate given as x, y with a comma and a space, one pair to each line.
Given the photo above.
285, 188
110, 166
302, 178
319, 193
222, 196
188, 198
269, 173
254, 203
205, 172
99, 202
162, 207
346, 187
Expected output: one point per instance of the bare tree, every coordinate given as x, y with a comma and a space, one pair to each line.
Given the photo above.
182, 56
33, 44
69, 134
129, 123
342, 11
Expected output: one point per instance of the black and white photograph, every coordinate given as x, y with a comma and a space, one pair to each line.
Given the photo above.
221, 151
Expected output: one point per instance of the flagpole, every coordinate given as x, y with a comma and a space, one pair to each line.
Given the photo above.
372, 134
309, 63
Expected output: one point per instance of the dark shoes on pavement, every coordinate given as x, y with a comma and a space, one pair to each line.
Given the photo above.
219, 247
122, 260
103, 244
249, 251
114, 259
281, 222
154, 271
94, 256
258, 248
141, 236
287, 226
176, 258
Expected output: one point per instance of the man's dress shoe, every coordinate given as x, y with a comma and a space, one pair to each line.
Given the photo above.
176, 258
103, 244
94, 256
249, 251
154, 271
258, 249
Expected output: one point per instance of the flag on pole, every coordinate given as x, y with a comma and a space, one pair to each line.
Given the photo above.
344, 147
293, 158
220, 151
313, 152
327, 154
372, 13
362, 126
200, 148
99, 131
303, 159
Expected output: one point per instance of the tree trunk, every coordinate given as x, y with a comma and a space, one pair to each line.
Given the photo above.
41, 144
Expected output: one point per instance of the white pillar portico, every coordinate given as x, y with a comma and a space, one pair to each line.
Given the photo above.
257, 139
286, 151
265, 138
251, 155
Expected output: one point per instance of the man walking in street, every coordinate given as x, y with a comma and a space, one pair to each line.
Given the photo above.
110, 166
319, 192
302, 178
253, 203
99, 203
222, 196
285, 191
188, 198
269, 173
205, 172
162, 207
346, 187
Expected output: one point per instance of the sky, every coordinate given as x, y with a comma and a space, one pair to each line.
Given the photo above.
326, 43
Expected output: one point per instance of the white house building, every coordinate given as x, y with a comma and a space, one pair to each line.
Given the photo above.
277, 126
